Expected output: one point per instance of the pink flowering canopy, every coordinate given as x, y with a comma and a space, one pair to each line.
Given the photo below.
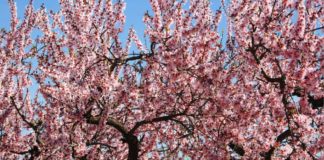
259, 96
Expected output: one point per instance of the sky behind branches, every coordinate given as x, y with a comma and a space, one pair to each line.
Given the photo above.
134, 12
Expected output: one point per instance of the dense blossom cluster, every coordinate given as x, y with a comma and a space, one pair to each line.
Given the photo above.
186, 95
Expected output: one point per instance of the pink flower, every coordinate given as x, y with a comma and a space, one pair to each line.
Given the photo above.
285, 150
303, 120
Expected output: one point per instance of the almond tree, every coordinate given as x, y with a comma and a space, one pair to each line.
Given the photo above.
185, 95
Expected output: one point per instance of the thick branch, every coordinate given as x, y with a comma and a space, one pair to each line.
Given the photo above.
253, 50
165, 118
316, 103
237, 148
110, 121
129, 138
98, 143
268, 155
33, 152
240, 151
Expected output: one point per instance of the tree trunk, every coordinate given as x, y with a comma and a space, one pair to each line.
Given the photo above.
133, 147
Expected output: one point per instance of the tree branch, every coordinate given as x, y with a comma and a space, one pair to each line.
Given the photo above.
165, 118
237, 148
268, 155
240, 151
110, 121
315, 29
316, 103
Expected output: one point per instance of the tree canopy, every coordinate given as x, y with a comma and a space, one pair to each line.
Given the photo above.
185, 94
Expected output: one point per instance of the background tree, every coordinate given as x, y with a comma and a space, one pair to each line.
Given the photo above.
184, 95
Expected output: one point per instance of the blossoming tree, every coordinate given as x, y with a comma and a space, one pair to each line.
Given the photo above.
186, 95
